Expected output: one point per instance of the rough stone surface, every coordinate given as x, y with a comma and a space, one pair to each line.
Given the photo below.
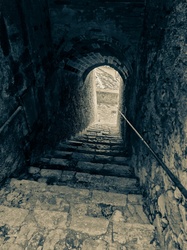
135, 235
159, 114
22, 78
60, 217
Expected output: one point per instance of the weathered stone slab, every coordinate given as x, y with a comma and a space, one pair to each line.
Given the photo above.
141, 214
103, 158
67, 175
13, 217
109, 198
118, 170
86, 149
82, 157
89, 225
133, 235
59, 161
50, 219
50, 202
135, 198
90, 181
90, 244
83, 177
104, 151
120, 159
20, 198
51, 173
120, 182
89, 167
26, 184
103, 147
79, 209
71, 194
30, 236
54, 239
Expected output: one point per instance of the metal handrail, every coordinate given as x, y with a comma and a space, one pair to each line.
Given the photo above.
163, 165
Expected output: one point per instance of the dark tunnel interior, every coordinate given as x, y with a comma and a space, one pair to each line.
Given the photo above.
67, 67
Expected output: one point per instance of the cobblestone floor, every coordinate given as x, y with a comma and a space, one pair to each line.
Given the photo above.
37, 216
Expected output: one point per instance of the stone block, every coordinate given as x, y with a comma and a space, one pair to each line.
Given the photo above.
12, 216
59, 162
34, 170
113, 199
103, 158
183, 213
89, 167
139, 211
83, 177
29, 185
122, 160
135, 198
50, 219
50, 202
119, 182
82, 157
51, 173
117, 216
89, 225
162, 204
90, 244
67, 175
54, 239
118, 170
136, 236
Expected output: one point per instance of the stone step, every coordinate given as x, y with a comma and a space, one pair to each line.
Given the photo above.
85, 157
39, 216
87, 165
85, 180
95, 149
97, 139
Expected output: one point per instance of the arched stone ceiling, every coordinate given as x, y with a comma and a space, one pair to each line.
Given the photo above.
93, 32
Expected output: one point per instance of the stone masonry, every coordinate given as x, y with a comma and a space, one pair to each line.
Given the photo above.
55, 211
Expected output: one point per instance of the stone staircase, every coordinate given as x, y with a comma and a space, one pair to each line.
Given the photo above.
94, 159
81, 195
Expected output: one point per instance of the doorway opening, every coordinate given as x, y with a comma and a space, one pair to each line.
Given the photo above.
108, 84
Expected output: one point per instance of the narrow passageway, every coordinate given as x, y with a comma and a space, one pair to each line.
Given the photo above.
73, 175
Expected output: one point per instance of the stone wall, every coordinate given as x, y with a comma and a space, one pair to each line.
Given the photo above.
24, 53
107, 97
75, 105
160, 114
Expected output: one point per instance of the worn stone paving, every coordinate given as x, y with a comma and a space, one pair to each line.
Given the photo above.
36, 213
39, 216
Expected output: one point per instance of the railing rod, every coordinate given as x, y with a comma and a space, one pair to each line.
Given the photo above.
19, 108
166, 169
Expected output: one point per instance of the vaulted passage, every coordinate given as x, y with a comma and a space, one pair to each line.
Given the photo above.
73, 174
